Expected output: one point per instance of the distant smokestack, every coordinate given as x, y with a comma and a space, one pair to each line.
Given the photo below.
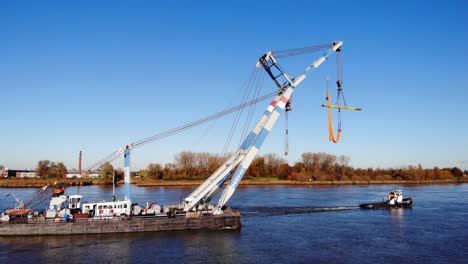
79, 162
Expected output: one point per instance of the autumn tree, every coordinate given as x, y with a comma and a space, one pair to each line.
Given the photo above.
58, 170
42, 169
456, 172
298, 166
48, 169
155, 171
342, 169
214, 162
272, 163
201, 164
142, 173
257, 168
119, 174
185, 163
308, 160
106, 170
343, 160
318, 166
283, 171
169, 171
312, 162
327, 162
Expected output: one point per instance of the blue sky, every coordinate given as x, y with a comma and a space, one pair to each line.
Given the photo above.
94, 76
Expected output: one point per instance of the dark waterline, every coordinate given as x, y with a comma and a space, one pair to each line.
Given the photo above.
281, 224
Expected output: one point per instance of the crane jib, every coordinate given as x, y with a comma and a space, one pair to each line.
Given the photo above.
263, 128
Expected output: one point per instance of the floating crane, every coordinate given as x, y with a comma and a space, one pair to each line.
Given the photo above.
235, 167
195, 210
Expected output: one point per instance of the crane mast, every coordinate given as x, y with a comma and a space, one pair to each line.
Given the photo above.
236, 166
127, 178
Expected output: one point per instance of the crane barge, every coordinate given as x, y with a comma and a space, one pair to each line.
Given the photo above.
70, 215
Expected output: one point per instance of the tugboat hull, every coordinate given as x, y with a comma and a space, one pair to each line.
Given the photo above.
406, 203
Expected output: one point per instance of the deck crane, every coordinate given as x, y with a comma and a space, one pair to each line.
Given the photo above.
234, 168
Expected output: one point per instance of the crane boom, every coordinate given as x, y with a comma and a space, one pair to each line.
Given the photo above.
217, 179
252, 143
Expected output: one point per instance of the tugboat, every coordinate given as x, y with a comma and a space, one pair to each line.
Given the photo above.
393, 200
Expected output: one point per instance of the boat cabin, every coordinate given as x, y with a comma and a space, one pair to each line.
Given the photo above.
395, 196
107, 209
74, 202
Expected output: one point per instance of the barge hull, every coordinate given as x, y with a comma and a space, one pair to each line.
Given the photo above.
122, 225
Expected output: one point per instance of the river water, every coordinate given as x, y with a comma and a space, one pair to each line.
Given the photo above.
281, 224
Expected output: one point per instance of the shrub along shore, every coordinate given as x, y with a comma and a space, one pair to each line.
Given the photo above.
192, 168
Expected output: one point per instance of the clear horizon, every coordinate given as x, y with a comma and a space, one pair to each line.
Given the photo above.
96, 76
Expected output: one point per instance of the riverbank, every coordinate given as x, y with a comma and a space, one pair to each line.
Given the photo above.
35, 183
288, 182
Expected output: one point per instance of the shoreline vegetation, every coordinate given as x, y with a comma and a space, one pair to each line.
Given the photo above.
145, 182
192, 168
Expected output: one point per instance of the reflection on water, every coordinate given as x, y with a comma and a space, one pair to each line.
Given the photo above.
397, 213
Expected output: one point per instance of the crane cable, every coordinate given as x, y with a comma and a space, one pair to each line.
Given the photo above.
289, 53
248, 89
278, 54
114, 155
257, 88
338, 105
300, 51
286, 128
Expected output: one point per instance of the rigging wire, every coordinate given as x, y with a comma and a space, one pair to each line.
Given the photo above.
37, 196
235, 122
248, 119
114, 155
300, 51
286, 125
252, 80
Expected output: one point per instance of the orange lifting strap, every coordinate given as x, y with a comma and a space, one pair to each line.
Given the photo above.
331, 135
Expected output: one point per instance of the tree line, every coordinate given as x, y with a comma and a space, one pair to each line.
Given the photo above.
318, 166
311, 167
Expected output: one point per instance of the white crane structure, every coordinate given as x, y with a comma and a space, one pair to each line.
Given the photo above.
234, 168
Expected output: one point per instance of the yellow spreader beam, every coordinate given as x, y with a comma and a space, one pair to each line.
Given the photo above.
342, 107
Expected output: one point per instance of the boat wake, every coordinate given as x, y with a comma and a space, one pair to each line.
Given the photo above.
273, 211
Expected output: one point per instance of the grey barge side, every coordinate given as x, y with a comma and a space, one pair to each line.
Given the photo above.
229, 220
